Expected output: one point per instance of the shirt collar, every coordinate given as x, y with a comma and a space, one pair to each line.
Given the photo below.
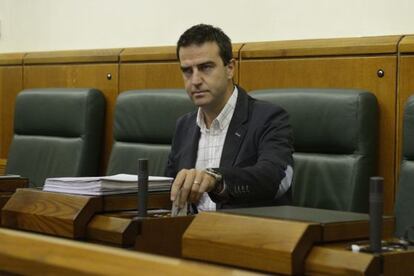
223, 119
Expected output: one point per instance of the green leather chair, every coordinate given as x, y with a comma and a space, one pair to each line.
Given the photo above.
335, 141
57, 132
404, 206
143, 128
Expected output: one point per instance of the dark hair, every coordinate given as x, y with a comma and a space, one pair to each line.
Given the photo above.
201, 33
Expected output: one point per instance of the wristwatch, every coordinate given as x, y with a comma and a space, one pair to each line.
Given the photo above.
219, 180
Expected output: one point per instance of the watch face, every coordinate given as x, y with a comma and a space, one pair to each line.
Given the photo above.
217, 175
214, 173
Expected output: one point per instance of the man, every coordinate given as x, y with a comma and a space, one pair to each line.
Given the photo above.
234, 151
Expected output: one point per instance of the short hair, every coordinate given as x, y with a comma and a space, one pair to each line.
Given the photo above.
202, 33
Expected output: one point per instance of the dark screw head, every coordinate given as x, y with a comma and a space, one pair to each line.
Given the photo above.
380, 73
109, 76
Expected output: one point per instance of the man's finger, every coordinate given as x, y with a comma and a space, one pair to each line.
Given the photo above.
195, 189
201, 189
178, 182
186, 187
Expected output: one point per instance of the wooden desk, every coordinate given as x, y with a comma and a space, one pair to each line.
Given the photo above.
282, 239
50, 213
277, 239
33, 254
337, 259
263, 244
97, 219
68, 215
11, 183
8, 186
157, 234
163, 235
326, 260
336, 225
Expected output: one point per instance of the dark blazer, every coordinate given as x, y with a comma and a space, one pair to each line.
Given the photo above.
257, 150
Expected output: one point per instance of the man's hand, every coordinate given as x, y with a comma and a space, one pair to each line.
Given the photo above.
191, 184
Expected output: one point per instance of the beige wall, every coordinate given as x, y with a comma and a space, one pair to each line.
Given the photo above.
45, 25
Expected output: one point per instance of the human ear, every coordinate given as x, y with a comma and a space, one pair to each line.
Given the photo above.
231, 65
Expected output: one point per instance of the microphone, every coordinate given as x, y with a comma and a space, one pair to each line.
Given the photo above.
376, 202
142, 187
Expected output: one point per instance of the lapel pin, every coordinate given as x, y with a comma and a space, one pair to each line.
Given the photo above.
237, 134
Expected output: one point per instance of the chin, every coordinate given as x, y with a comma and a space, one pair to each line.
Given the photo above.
198, 104
201, 102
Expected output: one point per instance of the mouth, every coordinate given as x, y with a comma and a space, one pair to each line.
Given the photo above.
198, 93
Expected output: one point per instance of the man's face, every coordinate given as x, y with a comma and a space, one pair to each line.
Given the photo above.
207, 80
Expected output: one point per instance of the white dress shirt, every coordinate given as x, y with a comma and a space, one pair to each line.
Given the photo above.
210, 145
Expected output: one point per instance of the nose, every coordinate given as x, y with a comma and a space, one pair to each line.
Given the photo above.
196, 78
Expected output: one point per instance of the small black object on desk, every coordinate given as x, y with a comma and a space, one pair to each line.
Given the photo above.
142, 187
376, 203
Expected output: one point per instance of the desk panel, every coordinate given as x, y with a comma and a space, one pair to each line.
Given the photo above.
336, 225
30, 254
329, 261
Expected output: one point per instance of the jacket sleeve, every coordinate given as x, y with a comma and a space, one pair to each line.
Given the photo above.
257, 178
171, 168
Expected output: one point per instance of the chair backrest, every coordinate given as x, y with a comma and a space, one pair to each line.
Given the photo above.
335, 141
404, 205
143, 128
57, 132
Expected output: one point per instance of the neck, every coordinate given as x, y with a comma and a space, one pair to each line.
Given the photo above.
210, 114
208, 118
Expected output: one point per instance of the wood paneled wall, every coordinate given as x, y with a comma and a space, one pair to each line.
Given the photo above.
11, 83
3, 163
322, 63
154, 67
147, 68
405, 88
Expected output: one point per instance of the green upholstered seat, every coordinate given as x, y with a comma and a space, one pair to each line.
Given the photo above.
143, 128
335, 141
57, 132
404, 206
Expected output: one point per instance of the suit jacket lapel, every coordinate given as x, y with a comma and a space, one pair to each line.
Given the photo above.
190, 152
237, 130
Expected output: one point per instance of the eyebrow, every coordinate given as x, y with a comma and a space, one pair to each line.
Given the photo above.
198, 65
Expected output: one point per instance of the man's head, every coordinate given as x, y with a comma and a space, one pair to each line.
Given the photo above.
202, 33
207, 66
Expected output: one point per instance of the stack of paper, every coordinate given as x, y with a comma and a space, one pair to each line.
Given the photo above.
105, 185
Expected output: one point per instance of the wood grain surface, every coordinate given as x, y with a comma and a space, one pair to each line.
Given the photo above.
162, 235
113, 230
157, 200
3, 163
268, 245
331, 261
51, 213
12, 58
31, 254
405, 90
73, 56
11, 83
11, 184
322, 47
